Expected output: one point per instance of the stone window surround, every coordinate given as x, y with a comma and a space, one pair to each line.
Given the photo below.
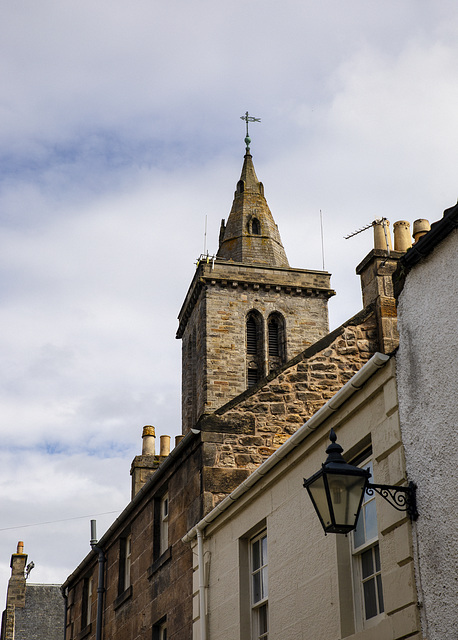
244, 568
125, 554
159, 628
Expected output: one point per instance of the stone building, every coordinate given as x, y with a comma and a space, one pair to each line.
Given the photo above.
263, 567
261, 562
248, 288
33, 611
258, 362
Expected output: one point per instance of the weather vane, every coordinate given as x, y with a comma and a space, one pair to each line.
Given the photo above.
248, 119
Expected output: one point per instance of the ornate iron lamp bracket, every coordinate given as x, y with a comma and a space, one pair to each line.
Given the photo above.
401, 498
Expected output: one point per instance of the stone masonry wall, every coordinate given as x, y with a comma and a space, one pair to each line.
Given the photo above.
246, 431
214, 341
376, 271
161, 583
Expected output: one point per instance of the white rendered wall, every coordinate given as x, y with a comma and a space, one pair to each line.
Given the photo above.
427, 369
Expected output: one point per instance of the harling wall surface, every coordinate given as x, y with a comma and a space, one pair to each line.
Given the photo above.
427, 363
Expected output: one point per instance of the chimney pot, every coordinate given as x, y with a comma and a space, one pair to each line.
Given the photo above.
402, 239
148, 441
420, 227
380, 240
178, 439
165, 446
20, 547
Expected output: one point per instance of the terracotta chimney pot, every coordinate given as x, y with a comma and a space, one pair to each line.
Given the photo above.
402, 238
165, 446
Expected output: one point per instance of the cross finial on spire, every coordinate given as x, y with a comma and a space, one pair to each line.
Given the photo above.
248, 119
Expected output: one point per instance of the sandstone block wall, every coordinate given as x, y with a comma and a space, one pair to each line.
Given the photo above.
161, 584
246, 431
213, 326
376, 271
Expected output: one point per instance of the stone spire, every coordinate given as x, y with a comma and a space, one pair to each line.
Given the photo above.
251, 235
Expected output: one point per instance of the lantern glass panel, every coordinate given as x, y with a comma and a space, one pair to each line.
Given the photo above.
345, 492
318, 494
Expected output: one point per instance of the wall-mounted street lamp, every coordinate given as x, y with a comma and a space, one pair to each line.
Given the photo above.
337, 491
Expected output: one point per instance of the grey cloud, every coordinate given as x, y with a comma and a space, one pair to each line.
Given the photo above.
119, 132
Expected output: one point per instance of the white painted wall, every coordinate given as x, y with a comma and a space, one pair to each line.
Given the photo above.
427, 370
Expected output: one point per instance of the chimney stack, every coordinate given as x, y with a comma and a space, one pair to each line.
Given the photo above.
145, 465
376, 272
16, 584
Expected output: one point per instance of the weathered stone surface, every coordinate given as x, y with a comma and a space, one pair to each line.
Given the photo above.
222, 480
243, 460
213, 326
244, 423
234, 428
307, 381
43, 616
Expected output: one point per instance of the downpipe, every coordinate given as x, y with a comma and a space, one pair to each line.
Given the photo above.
200, 555
101, 580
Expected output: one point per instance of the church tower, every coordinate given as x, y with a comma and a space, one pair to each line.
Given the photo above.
247, 312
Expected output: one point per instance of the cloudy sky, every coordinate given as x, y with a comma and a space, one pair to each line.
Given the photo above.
120, 133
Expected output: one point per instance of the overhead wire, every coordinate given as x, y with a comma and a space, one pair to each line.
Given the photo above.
40, 524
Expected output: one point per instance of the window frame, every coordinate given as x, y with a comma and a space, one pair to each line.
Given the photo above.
369, 542
86, 604
164, 524
163, 631
258, 579
161, 524
255, 226
276, 340
125, 563
160, 629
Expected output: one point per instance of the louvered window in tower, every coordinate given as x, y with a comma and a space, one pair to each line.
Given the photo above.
252, 375
274, 349
255, 227
251, 337
276, 338
254, 348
